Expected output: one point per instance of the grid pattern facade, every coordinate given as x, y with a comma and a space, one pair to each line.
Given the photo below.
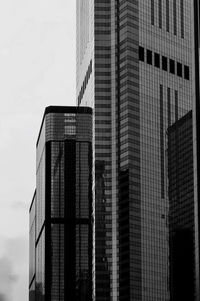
63, 223
134, 102
181, 209
99, 87
164, 98
32, 250
196, 133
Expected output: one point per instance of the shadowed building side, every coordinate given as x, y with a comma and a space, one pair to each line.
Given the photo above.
196, 134
181, 209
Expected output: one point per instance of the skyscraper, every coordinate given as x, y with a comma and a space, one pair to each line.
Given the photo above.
134, 68
181, 209
196, 135
61, 210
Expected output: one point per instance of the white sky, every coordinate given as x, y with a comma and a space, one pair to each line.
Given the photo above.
37, 69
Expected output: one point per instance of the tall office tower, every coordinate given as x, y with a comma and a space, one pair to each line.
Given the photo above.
181, 210
196, 135
61, 211
134, 68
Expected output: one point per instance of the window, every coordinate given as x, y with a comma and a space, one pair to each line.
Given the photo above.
149, 57
167, 15
186, 72
164, 63
157, 60
169, 106
172, 66
175, 17
182, 19
160, 13
162, 143
152, 12
141, 54
176, 105
179, 69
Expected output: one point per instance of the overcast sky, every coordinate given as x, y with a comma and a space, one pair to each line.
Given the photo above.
37, 69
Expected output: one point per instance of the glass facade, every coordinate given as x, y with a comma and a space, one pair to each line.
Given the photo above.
196, 134
61, 251
136, 96
181, 209
32, 249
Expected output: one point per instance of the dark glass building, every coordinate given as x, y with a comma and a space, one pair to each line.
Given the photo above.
196, 135
61, 214
135, 69
181, 209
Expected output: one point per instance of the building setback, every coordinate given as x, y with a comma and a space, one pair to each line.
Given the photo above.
134, 68
61, 211
181, 209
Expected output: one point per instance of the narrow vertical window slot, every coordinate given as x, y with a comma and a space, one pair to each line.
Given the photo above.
169, 106
162, 167
179, 69
152, 12
141, 54
175, 17
182, 19
149, 57
167, 15
164, 63
160, 13
176, 105
172, 66
186, 72
157, 60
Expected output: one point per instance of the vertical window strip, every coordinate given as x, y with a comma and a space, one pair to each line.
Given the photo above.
167, 15
176, 143
198, 20
152, 12
169, 106
160, 13
161, 143
182, 19
176, 105
175, 17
